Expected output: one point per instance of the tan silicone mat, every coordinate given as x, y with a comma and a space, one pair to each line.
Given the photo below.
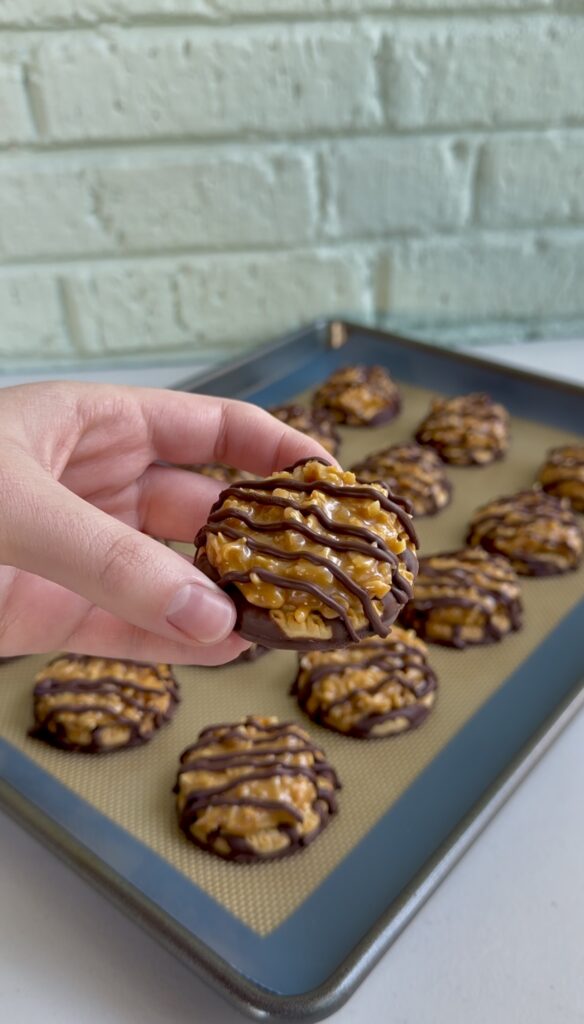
134, 788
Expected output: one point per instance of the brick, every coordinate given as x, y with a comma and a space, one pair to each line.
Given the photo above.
15, 121
39, 13
48, 209
511, 71
249, 298
125, 309
457, 279
531, 180
87, 205
153, 83
31, 322
206, 301
206, 202
378, 187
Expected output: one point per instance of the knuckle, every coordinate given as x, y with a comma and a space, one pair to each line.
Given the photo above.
123, 563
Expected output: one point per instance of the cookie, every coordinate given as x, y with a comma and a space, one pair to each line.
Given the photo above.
414, 472
96, 705
470, 430
360, 396
562, 474
254, 790
463, 598
538, 533
218, 471
313, 422
311, 558
369, 690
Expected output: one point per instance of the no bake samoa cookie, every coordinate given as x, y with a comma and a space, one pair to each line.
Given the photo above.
467, 430
369, 690
463, 598
314, 423
538, 533
254, 790
96, 705
412, 471
562, 474
311, 557
360, 396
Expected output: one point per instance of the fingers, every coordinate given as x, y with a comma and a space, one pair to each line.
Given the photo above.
196, 428
174, 503
49, 531
38, 616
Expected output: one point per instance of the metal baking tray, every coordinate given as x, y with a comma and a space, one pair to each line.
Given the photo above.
309, 963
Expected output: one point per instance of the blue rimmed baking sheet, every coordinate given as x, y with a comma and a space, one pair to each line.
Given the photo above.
313, 956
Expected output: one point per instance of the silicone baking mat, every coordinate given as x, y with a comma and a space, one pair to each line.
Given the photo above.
400, 796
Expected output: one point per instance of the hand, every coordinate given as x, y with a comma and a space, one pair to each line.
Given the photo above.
79, 481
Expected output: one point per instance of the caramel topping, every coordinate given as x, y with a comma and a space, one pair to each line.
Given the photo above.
372, 689
313, 422
359, 395
218, 471
562, 474
254, 789
313, 541
464, 597
470, 429
414, 472
99, 704
538, 533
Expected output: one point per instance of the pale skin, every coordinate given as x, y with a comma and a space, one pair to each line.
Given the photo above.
83, 500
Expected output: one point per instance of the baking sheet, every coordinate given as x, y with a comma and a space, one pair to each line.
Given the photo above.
275, 902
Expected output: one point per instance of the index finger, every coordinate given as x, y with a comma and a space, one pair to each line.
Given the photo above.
186, 428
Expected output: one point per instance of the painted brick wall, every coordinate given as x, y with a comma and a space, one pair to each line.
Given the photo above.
205, 173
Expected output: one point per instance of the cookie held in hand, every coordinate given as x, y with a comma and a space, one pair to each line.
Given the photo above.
463, 598
97, 705
360, 396
312, 558
254, 790
369, 690
539, 534
470, 430
313, 422
412, 471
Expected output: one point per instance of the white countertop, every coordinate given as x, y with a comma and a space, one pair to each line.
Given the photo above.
501, 940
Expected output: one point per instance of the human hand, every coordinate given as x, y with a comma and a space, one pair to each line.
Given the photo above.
80, 480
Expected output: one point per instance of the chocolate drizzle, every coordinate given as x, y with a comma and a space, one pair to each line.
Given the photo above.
314, 423
113, 691
412, 471
537, 532
402, 664
268, 750
359, 396
475, 582
336, 536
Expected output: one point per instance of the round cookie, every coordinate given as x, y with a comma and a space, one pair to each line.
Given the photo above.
414, 472
538, 533
97, 705
470, 430
313, 422
254, 790
463, 598
562, 474
360, 396
218, 471
311, 558
370, 690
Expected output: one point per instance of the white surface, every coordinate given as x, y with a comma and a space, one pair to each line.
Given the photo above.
501, 940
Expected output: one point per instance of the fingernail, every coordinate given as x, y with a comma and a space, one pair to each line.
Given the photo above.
204, 615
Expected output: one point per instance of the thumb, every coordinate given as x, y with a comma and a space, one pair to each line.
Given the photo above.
52, 532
